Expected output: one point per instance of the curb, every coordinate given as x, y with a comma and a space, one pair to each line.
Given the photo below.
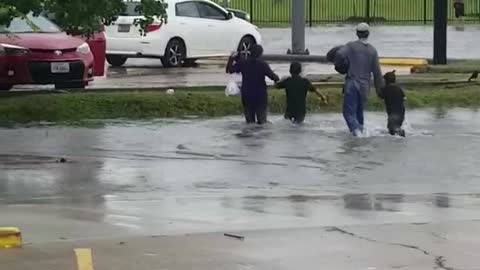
399, 61
10, 237
391, 61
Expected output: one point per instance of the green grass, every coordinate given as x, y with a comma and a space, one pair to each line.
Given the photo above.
339, 11
204, 102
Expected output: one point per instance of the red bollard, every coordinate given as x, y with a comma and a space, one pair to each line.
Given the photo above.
98, 46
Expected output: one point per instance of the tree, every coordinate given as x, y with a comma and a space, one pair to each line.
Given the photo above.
81, 16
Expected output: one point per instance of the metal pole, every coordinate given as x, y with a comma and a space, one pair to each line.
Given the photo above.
367, 11
310, 13
251, 11
425, 12
298, 27
440, 32
478, 10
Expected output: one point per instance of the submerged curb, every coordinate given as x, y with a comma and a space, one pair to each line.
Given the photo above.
392, 61
398, 61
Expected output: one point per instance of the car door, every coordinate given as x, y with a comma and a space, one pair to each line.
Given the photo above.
218, 28
188, 24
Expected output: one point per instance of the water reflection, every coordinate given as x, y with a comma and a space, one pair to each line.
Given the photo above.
442, 201
255, 205
300, 206
440, 113
79, 180
374, 202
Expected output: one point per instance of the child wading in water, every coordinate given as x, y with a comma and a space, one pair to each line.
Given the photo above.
394, 103
254, 88
296, 88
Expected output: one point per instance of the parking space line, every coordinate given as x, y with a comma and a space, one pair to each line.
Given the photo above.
84, 258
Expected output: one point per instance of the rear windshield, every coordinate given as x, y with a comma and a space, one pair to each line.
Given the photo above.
30, 24
132, 9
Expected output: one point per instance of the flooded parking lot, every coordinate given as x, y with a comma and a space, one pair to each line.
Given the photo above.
392, 41
195, 175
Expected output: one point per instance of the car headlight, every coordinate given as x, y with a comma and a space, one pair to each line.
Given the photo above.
12, 49
83, 49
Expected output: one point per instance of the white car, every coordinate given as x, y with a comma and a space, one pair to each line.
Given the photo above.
194, 29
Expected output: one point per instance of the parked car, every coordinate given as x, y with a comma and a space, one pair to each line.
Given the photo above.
33, 50
195, 29
97, 43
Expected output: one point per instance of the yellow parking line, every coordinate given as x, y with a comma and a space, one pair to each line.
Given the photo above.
84, 258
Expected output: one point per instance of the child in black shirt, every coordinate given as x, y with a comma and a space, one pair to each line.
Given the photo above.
394, 103
296, 88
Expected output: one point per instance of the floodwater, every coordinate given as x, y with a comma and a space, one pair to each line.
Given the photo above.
393, 41
192, 174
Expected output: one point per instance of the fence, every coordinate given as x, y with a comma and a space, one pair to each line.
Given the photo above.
351, 11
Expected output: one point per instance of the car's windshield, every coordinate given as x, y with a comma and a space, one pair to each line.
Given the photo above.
30, 24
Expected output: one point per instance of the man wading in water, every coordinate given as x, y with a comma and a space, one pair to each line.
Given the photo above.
360, 60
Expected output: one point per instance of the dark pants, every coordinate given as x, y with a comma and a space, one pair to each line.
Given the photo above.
296, 118
255, 111
353, 106
395, 122
459, 10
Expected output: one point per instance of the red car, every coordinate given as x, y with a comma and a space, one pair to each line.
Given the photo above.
33, 50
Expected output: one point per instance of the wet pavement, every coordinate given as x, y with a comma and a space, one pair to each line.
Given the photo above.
127, 181
141, 73
413, 246
390, 41
393, 41
197, 175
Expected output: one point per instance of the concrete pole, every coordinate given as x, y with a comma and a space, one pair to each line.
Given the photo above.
298, 27
440, 32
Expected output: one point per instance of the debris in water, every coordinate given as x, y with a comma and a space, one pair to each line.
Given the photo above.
239, 237
182, 147
121, 243
62, 160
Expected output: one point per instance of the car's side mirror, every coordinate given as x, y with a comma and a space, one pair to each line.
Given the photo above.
229, 15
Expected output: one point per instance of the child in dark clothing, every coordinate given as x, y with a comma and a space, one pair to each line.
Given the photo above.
394, 103
254, 88
296, 88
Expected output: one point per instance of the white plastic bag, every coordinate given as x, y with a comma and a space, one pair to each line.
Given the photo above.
233, 86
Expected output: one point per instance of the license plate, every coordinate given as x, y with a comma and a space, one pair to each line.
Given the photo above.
124, 28
60, 67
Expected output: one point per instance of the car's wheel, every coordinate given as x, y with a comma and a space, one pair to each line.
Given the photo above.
116, 60
5, 87
72, 85
245, 45
175, 54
